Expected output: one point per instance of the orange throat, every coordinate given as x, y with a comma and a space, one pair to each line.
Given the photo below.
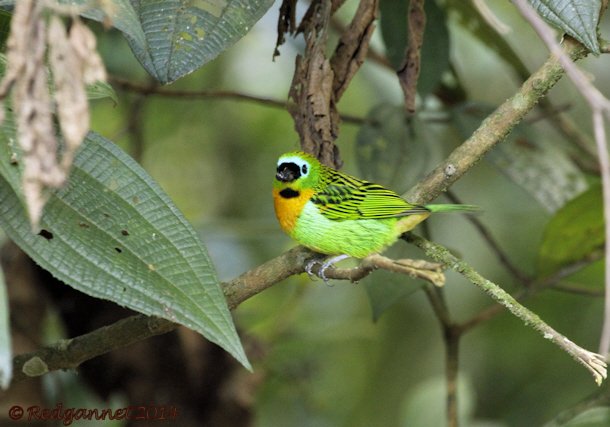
288, 210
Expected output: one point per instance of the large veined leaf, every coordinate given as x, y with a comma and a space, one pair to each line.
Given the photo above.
574, 232
172, 38
536, 164
578, 18
112, 233
6, 360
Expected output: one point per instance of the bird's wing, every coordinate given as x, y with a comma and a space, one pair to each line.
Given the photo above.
342, 197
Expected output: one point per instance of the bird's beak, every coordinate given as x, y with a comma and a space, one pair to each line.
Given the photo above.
285, 174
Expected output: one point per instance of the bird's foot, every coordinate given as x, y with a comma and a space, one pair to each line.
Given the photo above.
323, 266
309, 268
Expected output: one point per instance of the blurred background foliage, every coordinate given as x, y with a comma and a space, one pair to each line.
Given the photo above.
371, 354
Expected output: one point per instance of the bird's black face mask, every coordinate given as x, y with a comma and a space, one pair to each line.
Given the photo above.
288, 172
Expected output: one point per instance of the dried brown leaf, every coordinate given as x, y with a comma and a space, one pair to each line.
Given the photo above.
74, 63
31, 101
286, 23
353, 46
409, 72
70, 96
84, 44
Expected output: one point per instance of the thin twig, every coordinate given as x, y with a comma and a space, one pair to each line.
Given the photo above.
578, 290
594, 363
70, 353
495, 247
135, 128
451, 337
417, 269
191, 94
540, 284
154, 90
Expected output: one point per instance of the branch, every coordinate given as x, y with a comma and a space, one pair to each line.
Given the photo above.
154, 90
70, 353
494, 128
414, 268
493, 244
534, 286
592, 361
451, 337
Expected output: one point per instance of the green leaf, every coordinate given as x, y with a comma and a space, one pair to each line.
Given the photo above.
392, 150
574, 232
578, 18
435, 49
172, 38
393, 25
537, 165
112, 233
99, 90
6, 357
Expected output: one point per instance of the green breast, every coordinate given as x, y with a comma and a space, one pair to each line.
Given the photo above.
356, 238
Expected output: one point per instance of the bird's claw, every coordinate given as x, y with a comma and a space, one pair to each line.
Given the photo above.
309, 266
323, 267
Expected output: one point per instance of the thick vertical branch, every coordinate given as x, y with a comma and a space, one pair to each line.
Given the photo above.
315, 114
318, 83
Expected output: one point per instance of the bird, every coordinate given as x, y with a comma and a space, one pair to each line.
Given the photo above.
339, 215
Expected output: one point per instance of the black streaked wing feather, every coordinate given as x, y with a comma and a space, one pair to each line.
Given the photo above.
342, 197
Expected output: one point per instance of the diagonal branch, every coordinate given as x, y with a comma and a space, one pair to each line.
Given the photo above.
494, 128
593, 362
70, 353
600, 106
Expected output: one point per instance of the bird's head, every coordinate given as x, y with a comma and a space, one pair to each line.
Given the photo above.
296, 171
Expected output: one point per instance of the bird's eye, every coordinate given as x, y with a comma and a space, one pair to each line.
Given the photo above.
304, 169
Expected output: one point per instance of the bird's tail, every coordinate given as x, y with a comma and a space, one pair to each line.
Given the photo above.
453, 208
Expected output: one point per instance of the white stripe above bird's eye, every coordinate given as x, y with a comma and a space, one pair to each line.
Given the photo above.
300, 162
